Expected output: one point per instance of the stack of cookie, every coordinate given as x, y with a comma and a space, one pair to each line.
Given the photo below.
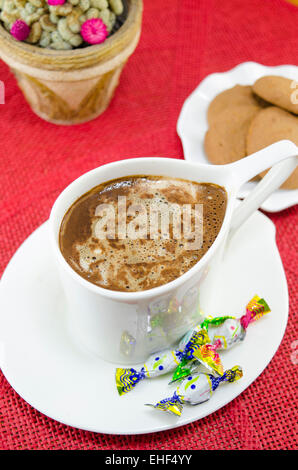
245, 119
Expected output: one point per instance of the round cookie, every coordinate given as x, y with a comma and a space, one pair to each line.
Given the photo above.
225, 141
279, 91
239, 95
271, 125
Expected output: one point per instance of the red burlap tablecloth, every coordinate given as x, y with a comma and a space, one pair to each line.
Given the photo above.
181, 43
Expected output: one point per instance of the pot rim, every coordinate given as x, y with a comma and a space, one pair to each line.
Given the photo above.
75, 58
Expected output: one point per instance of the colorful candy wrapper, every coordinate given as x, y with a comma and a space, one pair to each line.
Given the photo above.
208, 356
157, 364
195, 342
231, 330
196, 389
255, 309
166, 361
160, 363
227, 329
199, 346
204, 354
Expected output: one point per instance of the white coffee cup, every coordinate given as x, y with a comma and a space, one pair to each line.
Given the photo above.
126, 327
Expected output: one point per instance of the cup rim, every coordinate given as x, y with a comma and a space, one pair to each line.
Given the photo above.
129, 297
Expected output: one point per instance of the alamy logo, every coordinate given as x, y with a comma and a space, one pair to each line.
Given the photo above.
138, 221
2, 92
294, 94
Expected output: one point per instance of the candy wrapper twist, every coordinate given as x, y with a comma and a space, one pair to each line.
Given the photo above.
196, 389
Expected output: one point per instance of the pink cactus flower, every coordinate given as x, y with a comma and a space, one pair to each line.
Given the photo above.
94, 31
20, 30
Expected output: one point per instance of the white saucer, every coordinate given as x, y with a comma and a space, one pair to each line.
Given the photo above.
46, 368
192, 123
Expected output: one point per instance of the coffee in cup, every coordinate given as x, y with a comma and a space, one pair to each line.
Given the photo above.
139, 232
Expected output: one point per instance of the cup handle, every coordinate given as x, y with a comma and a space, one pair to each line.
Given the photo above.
281, 156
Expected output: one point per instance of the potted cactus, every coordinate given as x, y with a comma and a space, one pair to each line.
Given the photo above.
67, 56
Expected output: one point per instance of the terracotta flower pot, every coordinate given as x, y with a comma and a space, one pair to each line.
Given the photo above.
71, 87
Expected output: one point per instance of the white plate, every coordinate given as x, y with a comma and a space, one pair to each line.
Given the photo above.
192, 123
46, 368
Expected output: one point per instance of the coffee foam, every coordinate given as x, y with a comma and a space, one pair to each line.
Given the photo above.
140, 264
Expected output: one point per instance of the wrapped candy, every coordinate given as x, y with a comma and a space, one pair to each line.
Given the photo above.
231, 330
224, 333
196, 389
157, 364
199, 346
195, 354
227, 329
166, 361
